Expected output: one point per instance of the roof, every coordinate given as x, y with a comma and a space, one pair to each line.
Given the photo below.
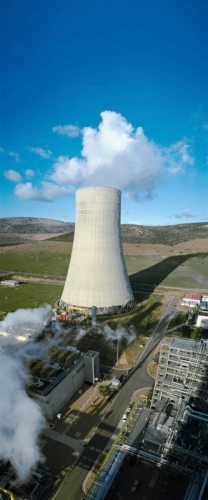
192, 296
91, 354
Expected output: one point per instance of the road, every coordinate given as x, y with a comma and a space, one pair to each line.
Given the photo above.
138, 378
147, 287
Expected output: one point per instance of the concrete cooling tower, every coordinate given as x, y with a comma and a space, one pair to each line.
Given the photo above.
97, 275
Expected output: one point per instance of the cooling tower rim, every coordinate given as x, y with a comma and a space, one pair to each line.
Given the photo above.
103, 188
112, 310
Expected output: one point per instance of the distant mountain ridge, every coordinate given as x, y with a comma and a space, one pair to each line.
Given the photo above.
14, 230
34, 225
165, 235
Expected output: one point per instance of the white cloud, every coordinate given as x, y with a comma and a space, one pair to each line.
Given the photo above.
48, 191
44, 153
15, 156
70, 130
117, 155
29, 173
1, 150
177, 156
12, 175
188, 214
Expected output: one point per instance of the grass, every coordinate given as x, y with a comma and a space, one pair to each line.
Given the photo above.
28, 296
47, 263
144, 317
142, 320
178, 270
53, 257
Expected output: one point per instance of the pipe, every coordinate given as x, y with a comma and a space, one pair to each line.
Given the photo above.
194, 414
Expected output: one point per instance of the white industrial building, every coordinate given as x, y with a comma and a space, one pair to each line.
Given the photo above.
97, 275
92, 366
191, 300
202, 319
10, 283
54, 384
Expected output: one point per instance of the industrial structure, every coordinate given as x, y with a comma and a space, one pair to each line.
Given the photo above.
97, 276
182, 372
170, 434
54, 383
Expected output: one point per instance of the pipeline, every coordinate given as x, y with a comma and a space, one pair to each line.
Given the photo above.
189, 412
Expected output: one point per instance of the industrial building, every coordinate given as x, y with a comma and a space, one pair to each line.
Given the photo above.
170, 435
54, 383
202, 319
97, 277
191, 300
178, 428
92, 366
182, 371
10, 283
39, 486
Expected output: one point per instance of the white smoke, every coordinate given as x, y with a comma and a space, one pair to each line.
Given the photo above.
21, 418
109, 334
28, 318
120, 333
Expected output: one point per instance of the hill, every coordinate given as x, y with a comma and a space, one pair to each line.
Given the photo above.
16, 230
164, 235
158, 235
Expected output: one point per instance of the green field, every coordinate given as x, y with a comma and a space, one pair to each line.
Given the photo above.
44, 263
30, 295
179, 270
52, 258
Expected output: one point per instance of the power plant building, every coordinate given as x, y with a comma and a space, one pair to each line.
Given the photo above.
55, 383
97, 275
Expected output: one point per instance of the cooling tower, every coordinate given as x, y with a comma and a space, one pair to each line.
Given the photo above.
97, 274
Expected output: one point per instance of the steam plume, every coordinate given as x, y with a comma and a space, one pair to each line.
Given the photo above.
21, 419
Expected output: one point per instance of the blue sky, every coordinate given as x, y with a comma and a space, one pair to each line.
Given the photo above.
111, 93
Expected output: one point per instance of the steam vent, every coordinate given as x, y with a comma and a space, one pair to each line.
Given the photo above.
97, 275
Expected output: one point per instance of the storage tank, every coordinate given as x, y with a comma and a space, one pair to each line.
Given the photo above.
97, 275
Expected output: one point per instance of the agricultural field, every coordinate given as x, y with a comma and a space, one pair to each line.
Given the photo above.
181, 265
43, 257
178, 270
30, 295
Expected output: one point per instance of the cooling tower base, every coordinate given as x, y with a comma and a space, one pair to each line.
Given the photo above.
100, 311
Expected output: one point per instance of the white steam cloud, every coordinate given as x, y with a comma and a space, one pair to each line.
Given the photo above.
21, 418
36, 318
110, 334
117, 155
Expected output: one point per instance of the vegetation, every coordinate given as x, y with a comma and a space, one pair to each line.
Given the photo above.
165, 235
44, 262
106, 390
28, 296
144, 317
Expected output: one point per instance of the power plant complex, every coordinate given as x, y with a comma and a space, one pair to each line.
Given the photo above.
97, 278
163, 433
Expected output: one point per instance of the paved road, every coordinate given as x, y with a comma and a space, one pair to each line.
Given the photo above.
138, 378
